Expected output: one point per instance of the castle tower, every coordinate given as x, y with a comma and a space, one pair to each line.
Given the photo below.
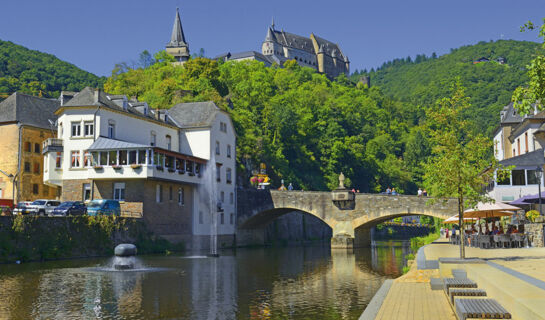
321, 59
178, 47
271, 46
347, 65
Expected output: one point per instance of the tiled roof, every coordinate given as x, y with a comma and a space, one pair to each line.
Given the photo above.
29, 110
533, 158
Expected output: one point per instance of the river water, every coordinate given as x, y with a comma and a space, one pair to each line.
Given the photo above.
267, 283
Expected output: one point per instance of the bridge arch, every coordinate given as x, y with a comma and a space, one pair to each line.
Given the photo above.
257, 207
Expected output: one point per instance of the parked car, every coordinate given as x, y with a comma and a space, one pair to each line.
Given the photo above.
42, 207
70, 208
22, 207
103, 207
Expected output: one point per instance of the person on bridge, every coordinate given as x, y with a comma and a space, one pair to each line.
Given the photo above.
425, 193
388, 190
290, 187
419, 192
394, 192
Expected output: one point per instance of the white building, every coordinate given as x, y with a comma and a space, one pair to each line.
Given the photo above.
155, 162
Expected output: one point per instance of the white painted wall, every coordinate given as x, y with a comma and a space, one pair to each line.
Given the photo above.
196, 142
499, 151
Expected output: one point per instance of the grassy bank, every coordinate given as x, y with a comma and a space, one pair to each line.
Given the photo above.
417, 243
30, 238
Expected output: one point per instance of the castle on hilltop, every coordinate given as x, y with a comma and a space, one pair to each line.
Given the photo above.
279, 46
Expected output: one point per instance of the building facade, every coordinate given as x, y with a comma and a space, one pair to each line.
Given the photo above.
25, 122
109, 147
518, 143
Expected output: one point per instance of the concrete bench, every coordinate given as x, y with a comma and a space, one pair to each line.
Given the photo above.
437, 283
459, 273
480, 309
458, 283
466, 293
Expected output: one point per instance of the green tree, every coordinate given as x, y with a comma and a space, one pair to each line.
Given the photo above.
460, 164
533, 94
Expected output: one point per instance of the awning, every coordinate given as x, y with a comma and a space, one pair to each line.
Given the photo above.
105, 144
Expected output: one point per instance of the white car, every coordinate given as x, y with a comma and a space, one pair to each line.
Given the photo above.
22, 208
42, 207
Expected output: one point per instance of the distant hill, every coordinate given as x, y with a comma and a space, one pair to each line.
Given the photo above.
35, 72
489, 84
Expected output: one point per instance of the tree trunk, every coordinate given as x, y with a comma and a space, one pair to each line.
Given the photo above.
461, 224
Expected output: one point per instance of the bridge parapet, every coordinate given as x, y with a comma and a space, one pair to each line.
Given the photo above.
259, 207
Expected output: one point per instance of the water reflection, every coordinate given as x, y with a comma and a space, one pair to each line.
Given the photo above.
294, 283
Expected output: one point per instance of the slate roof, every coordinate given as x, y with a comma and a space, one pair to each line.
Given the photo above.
510, 115
293, 40
103, 143
28, 110
247, 54
194, 114
533, 158
88, 98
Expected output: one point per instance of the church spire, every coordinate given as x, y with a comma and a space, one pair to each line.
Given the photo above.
177, 39
177, 46
272, 24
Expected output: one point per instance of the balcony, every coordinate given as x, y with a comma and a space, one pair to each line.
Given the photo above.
52, 145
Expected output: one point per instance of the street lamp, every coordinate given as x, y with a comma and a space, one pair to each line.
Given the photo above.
539, 174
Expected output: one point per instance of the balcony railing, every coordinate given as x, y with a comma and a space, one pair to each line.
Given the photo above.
52, 145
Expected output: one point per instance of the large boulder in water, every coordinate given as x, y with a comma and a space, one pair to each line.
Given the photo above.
125, 250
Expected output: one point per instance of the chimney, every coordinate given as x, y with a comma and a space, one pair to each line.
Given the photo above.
97, 94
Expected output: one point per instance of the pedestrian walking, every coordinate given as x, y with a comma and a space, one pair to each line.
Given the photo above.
419, 192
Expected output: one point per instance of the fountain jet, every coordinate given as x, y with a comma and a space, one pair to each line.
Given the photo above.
124, 256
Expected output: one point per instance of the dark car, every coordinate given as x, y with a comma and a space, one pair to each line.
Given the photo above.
70, 208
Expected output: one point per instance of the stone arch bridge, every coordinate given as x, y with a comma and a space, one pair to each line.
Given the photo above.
351, 220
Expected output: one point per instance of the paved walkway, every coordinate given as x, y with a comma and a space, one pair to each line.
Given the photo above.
411, 297
511, 276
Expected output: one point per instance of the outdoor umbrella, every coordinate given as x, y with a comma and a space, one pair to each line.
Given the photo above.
534, 198
490, 210
455, 219
522, 201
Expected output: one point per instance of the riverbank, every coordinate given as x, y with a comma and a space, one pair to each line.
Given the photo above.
31, 238
514, 277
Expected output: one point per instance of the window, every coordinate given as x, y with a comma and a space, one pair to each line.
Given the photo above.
231, 218
88, 129
46, 191
112, 158
111, 131
87, 160
222, 218
201, 220
170, 193
222, 197
27, 166
231, 198
86, 192
103, 158
518, 177
36, 148
122, 157
169, 142
75, 160
531, 177
119, 191
142, 156
518, 146
228, 151
36, 168
132, 157
217, 147
76, 129
35, 188
181, 196
58, 160
526, 141
28, 147
218, 173
228, 175
153, 140
503, 178
159, 193
223, 127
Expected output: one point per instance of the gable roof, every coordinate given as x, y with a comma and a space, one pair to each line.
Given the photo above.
89, 97
533, 158
510, 115
294, 41
194, 114
29, 110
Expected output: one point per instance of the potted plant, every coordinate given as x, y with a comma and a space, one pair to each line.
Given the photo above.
160, 168
532, 215
136, 166
116, 167
181, 171
253, 181
97, 167
171, 169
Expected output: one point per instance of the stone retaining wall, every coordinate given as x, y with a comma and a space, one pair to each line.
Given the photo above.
535, 232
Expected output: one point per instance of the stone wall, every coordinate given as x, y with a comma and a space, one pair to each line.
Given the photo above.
399, 232
296, 228
535, 233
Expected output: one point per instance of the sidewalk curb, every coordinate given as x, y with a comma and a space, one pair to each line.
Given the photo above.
372, 309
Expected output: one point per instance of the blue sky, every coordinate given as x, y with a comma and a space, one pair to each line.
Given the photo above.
94, 35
